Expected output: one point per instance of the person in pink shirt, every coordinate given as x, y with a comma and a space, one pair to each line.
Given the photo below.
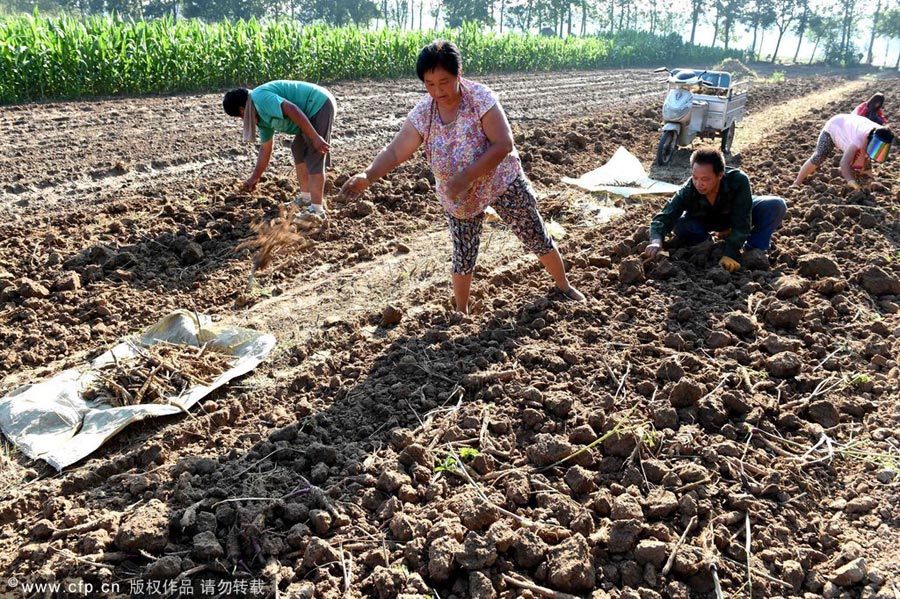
469, 146
861, 140
871, 109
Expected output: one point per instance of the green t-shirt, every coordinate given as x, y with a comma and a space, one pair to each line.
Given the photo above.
267, 99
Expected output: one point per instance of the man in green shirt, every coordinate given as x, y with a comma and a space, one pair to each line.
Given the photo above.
719, 201
297, 108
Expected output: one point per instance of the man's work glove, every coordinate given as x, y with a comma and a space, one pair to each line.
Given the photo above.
853, 185
729, 264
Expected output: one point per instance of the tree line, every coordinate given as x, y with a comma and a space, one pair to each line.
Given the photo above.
840, 31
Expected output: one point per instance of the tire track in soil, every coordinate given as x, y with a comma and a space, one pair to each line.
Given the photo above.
755, 128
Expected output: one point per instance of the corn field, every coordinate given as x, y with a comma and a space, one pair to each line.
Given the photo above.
68, 57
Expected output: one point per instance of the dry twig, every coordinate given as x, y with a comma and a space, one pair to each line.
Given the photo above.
759, 572
78, 530
530, 586
190, 572
346, 569
595, 442
747, 548
671, 561
273, 569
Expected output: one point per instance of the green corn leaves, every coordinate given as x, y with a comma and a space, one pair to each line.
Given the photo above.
69, 57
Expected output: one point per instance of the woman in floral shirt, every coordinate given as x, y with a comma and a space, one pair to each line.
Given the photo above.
469, 146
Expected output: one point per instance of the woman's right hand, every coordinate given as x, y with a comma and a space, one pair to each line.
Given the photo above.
355, 186
249, 184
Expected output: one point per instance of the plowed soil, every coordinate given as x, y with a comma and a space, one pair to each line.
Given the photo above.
738, 431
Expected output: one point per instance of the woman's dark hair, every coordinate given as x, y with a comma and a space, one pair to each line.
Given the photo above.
882, 134
710, 156
876, 101
439, 53
235, 100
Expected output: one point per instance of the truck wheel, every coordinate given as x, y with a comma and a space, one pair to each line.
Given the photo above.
727, 139
666, 148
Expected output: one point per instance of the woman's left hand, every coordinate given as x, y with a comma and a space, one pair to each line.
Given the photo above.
458, 185
321, 146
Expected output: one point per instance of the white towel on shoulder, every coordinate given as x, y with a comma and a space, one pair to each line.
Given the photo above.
249, 121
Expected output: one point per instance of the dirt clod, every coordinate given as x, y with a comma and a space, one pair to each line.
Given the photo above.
70, 281
817, 266
784, 364
685, 393
146, 529
441, 556
32, 289
570, 566
876, 281
631, 270
850, 573
755, 260
623, 535
651, 551
788, 286
477, 552
165, 568
824, 412
391, 316
740, 324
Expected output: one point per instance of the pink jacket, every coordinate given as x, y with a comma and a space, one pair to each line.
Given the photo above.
863, 110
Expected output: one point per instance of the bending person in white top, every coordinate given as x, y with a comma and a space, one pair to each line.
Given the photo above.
862, 141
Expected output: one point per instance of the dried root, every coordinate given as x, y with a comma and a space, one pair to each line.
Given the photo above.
280, 231
161, 371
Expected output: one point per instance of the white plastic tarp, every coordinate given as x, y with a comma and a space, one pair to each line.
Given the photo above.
52, 420
622, 175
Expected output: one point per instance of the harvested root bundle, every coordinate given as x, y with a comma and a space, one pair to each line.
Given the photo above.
162, 370
736, 68
280, 231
